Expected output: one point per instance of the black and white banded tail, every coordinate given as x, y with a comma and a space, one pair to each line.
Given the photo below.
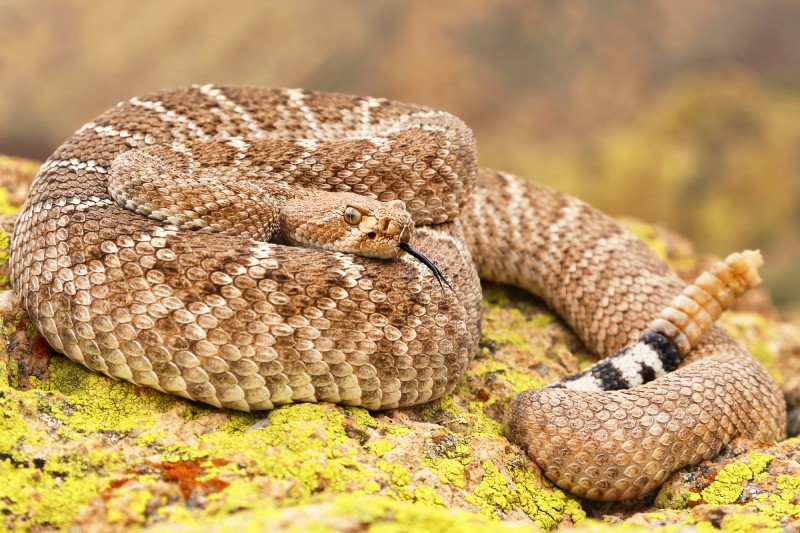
676, 330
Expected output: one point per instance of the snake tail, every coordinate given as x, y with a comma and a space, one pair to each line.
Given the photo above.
676, 330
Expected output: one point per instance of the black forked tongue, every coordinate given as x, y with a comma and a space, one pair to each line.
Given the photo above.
428, 263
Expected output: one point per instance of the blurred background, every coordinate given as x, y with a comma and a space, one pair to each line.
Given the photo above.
681, 112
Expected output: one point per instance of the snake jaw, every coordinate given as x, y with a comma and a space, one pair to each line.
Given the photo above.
428, 263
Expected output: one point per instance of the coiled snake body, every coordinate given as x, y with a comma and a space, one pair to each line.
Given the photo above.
140, 253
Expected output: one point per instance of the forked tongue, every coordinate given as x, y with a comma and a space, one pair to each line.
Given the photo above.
428, 263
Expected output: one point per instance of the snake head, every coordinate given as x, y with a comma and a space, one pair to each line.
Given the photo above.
348, 223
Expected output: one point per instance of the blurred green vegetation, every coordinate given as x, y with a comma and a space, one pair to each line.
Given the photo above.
716, 157
685, 112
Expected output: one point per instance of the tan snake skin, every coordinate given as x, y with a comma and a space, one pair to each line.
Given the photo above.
233, 322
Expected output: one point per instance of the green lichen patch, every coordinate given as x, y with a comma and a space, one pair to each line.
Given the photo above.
447, 455
6, 208
31, 497
730, 481
301, 452
424, 495
649, 234
767, 341
46, 480
5, 372
519, 380
544, 505
737, 521
306, 444
521, 332
18, 442
383, 425
498, 494
89, 402
756, 488
523, 347
787, 502
380, 447
387, 516
468, 420
194, 411
346, 513
399, 475
4, 244
512, 323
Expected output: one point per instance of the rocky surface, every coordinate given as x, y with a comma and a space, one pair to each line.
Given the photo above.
79, 449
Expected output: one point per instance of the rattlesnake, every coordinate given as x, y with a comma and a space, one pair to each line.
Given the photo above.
139, 253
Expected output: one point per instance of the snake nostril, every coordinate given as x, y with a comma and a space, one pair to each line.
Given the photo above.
371, 235
384, 223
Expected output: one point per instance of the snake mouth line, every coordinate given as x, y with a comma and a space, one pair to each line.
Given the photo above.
428, 263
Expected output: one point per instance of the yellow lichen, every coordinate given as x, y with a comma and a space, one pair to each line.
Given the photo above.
496, 496
384, 515
473, 421
648, 234
399, 475
241, 421
492, 493
446, 455
4, 240
12, 375
194, 411
480, 424
16, 438
365, 419
514, 321
51, 489
741, 522
729, 482
150, 437
96, 403
379, 448
519, 381
787, 503
45, 499
427, 496
375, 514
544, 506
305, 445
136, 499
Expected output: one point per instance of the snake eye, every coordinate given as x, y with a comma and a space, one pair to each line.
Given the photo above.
352, 215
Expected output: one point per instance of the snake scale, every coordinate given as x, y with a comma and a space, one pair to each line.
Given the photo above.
246, 248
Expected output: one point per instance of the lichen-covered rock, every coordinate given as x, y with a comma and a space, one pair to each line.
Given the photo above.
79, 449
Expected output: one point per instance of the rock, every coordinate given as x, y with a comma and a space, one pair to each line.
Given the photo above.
80, 449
